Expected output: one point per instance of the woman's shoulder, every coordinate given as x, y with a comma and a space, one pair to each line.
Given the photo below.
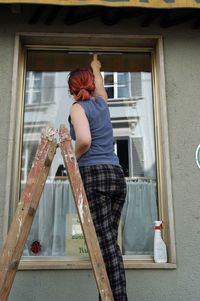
75, 107
90, 104
101, 101
99, 98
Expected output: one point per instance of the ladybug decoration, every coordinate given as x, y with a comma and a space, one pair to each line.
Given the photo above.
36, 247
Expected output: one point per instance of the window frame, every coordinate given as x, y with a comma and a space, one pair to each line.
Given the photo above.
153, 44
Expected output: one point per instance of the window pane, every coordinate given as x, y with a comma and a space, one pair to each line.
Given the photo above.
56, 228
122, 78
36, 97
48, 87
110, 92
108, 78
37, 83
39, 88
122, 150
123, 92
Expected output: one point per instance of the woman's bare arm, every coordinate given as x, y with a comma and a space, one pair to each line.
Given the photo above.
82, 130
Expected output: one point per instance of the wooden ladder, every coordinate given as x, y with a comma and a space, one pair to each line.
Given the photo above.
27, 206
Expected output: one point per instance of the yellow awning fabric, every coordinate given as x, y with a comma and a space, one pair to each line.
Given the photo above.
117, 3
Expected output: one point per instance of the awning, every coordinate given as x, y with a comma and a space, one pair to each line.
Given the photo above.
117, 3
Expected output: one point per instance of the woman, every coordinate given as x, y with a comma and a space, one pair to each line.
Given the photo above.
102, 176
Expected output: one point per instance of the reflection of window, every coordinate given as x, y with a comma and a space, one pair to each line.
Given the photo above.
33, 87
116, 84
39, 87
24, 165
131, 157
109, 84
123, 85
122, 151
136, 85
28, 155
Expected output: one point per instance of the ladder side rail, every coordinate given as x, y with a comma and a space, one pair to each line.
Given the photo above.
83, 210
24, 215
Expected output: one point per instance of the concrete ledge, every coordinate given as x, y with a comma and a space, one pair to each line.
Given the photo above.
84, 264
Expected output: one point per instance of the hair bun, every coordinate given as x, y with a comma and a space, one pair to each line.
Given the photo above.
83, 94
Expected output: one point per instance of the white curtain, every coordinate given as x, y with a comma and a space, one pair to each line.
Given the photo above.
50, 223
139, 213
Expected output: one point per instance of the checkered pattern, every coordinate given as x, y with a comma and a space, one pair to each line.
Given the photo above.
106, 190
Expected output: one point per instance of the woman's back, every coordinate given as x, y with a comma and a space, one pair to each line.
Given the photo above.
101, 150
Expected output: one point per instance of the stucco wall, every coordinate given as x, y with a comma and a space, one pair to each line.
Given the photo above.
182, 61
6, 64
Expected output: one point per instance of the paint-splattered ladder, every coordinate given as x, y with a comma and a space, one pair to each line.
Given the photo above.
27, 206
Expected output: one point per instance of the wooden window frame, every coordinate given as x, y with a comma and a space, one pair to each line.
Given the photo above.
153, 44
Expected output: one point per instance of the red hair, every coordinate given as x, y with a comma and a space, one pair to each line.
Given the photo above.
81, 84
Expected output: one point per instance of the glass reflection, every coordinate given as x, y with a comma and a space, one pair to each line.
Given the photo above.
56, 226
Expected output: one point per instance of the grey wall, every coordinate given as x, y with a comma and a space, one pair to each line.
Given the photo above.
182, 61
6, 64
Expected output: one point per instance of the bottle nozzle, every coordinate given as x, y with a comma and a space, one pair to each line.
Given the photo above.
158, 225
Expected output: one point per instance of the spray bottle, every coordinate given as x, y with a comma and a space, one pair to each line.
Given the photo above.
160, 250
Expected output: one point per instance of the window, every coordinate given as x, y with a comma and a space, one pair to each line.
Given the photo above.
33, 88
134, 138
39, 88
28, 153
117, 85
133, 95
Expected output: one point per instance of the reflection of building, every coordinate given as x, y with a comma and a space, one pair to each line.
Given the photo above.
130, 103
45, 102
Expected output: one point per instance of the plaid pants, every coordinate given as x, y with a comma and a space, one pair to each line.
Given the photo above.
105, 188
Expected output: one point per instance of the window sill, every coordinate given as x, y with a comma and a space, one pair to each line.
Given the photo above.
55, 263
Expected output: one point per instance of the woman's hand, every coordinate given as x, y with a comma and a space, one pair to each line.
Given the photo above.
98, 80
95, 64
